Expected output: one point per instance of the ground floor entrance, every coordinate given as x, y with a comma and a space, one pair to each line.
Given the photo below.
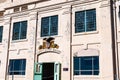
47, 71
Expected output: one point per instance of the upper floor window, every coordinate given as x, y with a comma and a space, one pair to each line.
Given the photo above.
16, 9
1, 13
17, 66
49, 26
20, 8
88, 65
85, 21
1, 33
19, 30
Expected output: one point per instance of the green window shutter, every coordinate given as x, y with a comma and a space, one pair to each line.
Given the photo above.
38, 71
57, 71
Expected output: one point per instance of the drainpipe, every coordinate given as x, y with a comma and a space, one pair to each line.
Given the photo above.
8, 47
71, 58
36, 37
35, 42
114, 40
117, 53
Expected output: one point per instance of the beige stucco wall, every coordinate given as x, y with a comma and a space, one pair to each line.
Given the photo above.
1, 1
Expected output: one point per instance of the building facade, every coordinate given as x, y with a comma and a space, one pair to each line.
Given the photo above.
58, 40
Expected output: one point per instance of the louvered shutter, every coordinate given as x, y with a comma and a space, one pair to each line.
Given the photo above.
38, 71
45, 26
23, 31
54, 25
91, 20
16, 31
57, 71
79, 21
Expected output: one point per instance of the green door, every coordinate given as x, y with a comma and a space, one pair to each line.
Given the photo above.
42, 71
38, 71
56, 71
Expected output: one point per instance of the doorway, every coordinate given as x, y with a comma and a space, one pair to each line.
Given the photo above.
48, 71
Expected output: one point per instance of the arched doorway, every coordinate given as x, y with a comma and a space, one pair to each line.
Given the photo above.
48, 66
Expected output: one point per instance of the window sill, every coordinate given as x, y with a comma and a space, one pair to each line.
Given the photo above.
21, 40
1, 43
17, 76
50, 36
86, 76
86, 33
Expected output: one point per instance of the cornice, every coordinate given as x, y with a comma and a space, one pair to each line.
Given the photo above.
105, 3
54, 7
26, 3
84, 2
60, 5
1, 19
18, 14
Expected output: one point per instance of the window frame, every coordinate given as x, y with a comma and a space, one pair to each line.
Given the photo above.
85, 27
20, 30
13, 71
50, 33
92, 70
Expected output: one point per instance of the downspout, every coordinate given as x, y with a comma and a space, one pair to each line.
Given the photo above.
35, 42
71, 75
36, 37
8, 47
114, 40
117, 54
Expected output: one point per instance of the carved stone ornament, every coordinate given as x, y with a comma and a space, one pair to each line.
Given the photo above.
48, 43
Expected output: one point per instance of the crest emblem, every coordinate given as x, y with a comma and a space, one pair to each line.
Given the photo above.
48, 43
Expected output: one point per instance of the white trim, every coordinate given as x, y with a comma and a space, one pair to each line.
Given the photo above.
87, 52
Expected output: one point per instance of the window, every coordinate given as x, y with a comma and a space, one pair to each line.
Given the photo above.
16, 9
85, 21
19, 30
1, 13
49, 26
86, 65
1, 33
24, 7
17, 66
20, 8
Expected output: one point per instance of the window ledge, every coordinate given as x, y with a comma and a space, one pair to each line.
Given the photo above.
86, 76
50, 36
21, 40
86, 33
1, 43
17, 76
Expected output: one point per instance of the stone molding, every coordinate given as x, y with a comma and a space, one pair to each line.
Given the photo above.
48, 50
